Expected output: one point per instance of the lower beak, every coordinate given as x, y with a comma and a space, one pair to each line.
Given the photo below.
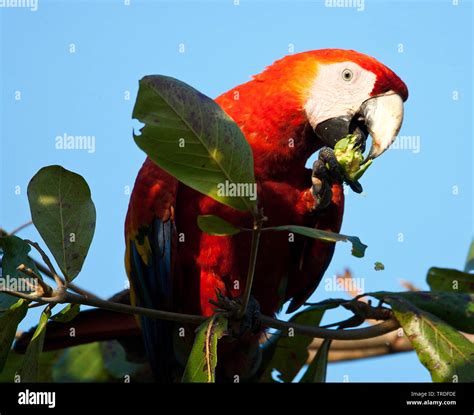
334, 129
383, 117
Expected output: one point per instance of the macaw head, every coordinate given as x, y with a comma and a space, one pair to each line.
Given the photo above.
354, 93
341, 92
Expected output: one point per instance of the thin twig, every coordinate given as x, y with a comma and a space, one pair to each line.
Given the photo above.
21, 227
256, 231
46, 289
59, 281
57, 298
71, 286
318, 332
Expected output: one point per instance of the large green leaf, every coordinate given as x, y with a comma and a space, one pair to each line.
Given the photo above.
358, 248
202, 361
291, 350
187, 134
64, 214
84, 363
446, 353
29, 371
15, 360
214, 225
456, 309
95, 362
317, 370
15, 252
9, 321
443, 279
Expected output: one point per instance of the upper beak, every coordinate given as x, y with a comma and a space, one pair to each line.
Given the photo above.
383, 117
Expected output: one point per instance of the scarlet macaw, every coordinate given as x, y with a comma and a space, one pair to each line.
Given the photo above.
300, 104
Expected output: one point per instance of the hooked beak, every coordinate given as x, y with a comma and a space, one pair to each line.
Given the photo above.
383, 117
380, 116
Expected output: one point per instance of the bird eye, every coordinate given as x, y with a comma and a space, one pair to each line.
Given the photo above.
347, 75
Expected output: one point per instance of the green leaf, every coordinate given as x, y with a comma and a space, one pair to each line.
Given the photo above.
29, 371
84, 363
469, 266
378, 266
67, 314
446, 353
9, 321
15, 252
15, 360
442, 279
317, 370
456, 309
202, 361
187, 134
64, 214
291, 351
214, 225
358, 248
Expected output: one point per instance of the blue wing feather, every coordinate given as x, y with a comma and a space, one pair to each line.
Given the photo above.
153, 286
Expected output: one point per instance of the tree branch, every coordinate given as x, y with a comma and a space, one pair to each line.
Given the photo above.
59, 281
128, 309
315, 332
321, 333
390, 343
61, 295
71, 286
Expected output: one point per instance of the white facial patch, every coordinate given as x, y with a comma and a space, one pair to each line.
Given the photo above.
339, 89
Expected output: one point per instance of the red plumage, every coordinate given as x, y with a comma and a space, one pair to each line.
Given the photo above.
270, 112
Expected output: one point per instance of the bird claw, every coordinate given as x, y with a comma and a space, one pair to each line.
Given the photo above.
239, 326
251, 320
326, 171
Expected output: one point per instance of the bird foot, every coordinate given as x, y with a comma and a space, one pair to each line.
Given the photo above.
326, 172
239, 326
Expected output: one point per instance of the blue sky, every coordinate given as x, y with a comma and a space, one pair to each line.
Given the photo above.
73, 64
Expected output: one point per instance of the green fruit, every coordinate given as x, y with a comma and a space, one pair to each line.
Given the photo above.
350, 158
